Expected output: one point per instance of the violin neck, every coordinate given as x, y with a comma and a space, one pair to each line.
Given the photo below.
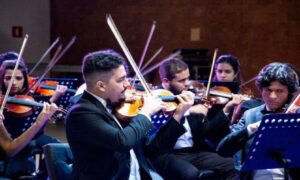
14, 100
54, 87
168, 98
220, 94
197, 99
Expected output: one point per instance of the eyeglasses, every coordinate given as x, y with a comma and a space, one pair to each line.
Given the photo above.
18, 78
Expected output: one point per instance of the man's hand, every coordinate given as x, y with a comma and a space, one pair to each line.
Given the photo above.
254, 126
186, 100
152, 104
46, 113
199, 109
60, 90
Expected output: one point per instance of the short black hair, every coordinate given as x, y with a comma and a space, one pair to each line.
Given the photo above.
170, 68
99, 62
280, 72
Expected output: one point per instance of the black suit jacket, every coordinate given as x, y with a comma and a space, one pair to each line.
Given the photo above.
240, 139
202, 129
100, 146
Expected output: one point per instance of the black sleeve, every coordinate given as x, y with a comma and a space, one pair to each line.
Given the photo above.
165, 138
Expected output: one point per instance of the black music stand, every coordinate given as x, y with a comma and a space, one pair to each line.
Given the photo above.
276, 144
63, 102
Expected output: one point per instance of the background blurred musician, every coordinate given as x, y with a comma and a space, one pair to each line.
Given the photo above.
187, 151
276, 82
22, 163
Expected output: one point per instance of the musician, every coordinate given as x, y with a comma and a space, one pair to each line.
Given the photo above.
227, 69
276, 83
188, 153
22, 163
103, 146
10, 147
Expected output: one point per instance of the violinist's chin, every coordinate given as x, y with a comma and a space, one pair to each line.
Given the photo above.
274, 105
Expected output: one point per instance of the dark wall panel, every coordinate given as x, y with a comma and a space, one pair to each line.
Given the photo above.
257, 32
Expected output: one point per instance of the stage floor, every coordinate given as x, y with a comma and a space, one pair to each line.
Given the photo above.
56, 130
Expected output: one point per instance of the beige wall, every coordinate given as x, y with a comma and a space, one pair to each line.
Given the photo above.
34, 17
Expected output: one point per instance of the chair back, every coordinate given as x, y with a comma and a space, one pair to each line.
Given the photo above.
58, 157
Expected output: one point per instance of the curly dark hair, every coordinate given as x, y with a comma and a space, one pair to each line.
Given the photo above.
280, 72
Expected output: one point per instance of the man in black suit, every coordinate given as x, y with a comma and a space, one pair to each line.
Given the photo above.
185, 151
104, 147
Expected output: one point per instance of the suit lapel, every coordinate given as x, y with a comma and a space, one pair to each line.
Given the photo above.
99, 107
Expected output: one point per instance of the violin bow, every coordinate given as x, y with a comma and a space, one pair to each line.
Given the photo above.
247, 82
147, 43
211, 72
35, 85
121, 42
152, 58
171, 56
146, 47
71, 42
44, 55
13, 74
57, 56
292, 104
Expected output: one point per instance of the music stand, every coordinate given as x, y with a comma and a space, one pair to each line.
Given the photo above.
63, 101
276, 144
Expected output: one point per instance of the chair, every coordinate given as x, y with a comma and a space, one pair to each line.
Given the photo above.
58, 157
206, 174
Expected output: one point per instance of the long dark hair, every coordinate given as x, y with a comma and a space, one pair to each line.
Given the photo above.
10, 64
234, 63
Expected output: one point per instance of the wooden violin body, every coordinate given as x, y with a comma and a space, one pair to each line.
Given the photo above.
23, 105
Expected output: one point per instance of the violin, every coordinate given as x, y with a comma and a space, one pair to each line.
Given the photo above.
47, 88
134, 101
50, 86
294, 106
217, 94
23, 105
130, 112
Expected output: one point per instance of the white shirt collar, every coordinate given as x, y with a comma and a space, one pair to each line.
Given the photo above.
103, 101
